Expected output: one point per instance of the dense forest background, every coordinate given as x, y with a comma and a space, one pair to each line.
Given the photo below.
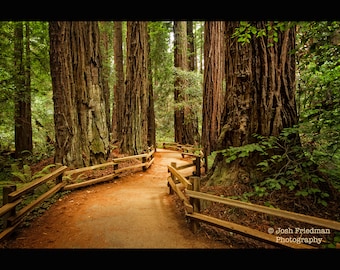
26, 89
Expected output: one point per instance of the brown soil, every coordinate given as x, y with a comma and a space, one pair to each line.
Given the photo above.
133, 211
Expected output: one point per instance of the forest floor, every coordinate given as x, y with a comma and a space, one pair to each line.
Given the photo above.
133, 211
136, 211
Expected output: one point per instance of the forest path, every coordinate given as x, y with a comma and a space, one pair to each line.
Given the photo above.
134, 211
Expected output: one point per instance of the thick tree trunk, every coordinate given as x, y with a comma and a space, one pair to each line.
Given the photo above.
180, 61
23, 114
260, 98
119, 86
135, 127
214, 75
82, 137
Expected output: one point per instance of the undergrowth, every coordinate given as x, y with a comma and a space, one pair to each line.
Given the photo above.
293, 169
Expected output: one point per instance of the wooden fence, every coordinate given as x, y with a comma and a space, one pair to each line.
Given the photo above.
13, 198
188, 190
147, 159
196, 153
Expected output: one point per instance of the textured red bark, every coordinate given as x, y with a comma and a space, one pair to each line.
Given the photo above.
213, 92
82, 137
135, 126
260, 95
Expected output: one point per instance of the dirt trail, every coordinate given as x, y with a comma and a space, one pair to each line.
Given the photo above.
134, 211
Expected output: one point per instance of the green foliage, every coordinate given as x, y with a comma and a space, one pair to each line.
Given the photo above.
25, 174
42, 103
232, 153
284, 164
318, 94
246, 30
333, 241
161, 56
292, 169
69, 179
191, 87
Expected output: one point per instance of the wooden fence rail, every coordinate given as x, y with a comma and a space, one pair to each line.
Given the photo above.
196, 153
147, 160
187, 189
12, 198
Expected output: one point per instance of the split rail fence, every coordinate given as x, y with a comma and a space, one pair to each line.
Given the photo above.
14, 210
187, 188
196, 154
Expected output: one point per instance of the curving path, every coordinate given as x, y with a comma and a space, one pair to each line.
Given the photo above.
132, 212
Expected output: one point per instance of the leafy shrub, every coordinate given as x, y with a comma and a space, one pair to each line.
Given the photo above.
292, 168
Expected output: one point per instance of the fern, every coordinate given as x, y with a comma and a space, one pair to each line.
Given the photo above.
25, 175
232, 153
78, 179
43, 172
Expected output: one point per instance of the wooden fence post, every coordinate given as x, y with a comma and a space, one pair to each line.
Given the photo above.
205, 163
173, 164
59, 178
5, 191
115, 167
195, 181
144, 161
198, 166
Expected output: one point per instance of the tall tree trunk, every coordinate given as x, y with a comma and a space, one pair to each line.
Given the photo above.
104, 37
191, 117
260, 98
119, 86
213, 92
185, 122
81, 131
135, 127
151, 107
192, 62
23, 114
180, 58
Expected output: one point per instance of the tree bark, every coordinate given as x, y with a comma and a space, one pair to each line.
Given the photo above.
135, 126
192, 62
260, 98
23, 113
81, 130
180, 61
119, 86
104, 40
214, 75
151, 107
191, 117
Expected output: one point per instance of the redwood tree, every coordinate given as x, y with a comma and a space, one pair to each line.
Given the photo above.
214, 75
136, 102
22, 81
81, 131
260, 96
119, 86
185, 120
151, 107
105, 30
